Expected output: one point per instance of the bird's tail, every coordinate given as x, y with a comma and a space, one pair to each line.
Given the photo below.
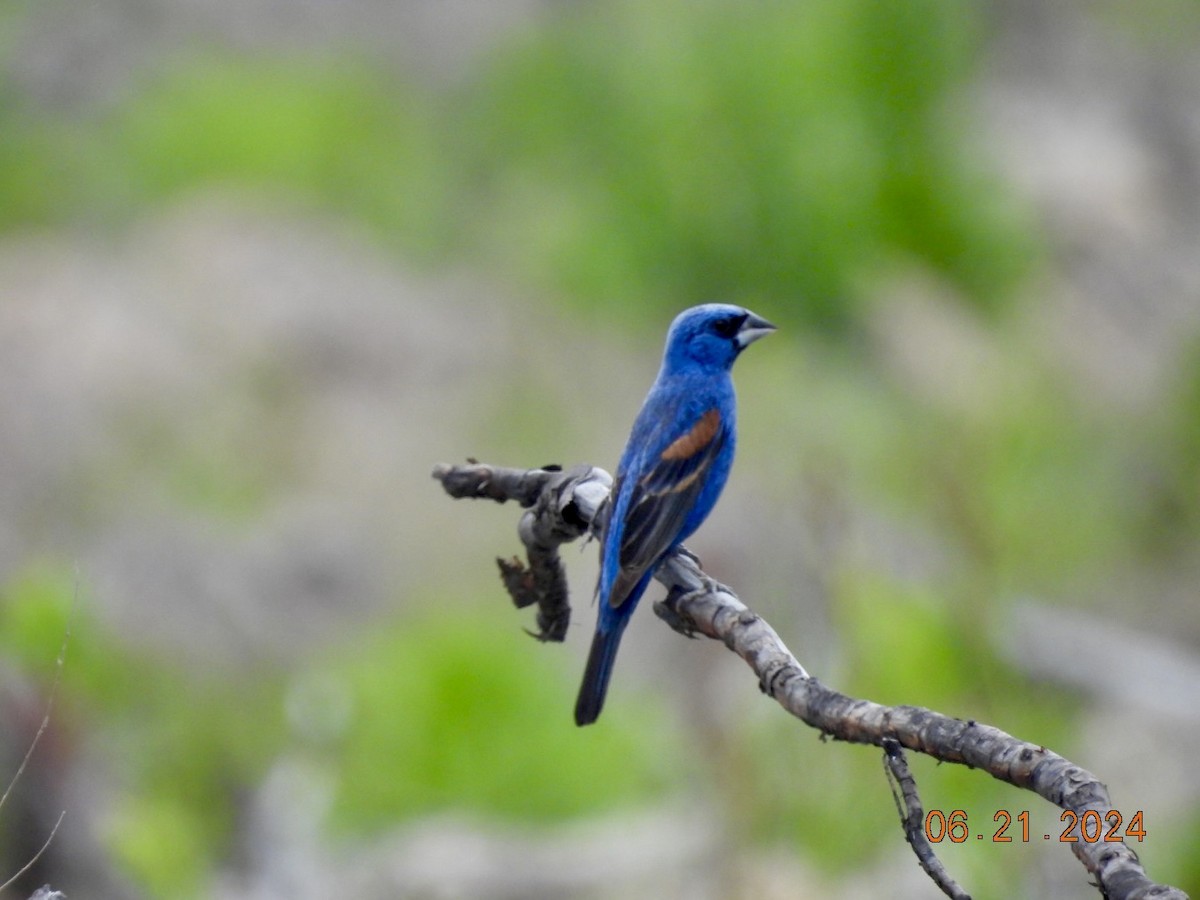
596, 674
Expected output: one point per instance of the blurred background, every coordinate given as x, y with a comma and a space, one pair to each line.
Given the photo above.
263, 263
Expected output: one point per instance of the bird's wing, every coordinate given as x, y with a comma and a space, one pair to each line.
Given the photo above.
662, 498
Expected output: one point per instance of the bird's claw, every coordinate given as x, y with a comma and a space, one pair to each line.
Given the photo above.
668, 611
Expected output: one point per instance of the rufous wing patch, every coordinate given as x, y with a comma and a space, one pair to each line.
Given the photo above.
699, 437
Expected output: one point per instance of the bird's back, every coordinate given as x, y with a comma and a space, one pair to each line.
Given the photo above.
675, 402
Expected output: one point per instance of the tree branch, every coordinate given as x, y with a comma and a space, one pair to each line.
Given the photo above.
564, 505
912, 818
560, 507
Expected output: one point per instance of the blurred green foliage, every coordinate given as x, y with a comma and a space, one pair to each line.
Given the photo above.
428, 730
185, 742
233, 455
334, 132
1028, 486
449, 714
653, 155
642, 156
1181, 865
1170, 523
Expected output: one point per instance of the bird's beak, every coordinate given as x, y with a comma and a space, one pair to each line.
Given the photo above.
752, 329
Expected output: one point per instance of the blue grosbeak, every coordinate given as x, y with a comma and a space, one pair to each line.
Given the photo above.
671, 473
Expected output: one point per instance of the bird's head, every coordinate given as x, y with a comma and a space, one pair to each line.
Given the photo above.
712, 335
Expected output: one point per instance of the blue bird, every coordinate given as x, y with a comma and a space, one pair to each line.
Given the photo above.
672, 471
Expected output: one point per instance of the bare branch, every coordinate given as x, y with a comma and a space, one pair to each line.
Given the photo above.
560, 508
912, 818
696, 604
58, 672
711, 610
29, 865
59, 665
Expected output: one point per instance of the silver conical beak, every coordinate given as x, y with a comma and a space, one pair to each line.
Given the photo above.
752, 329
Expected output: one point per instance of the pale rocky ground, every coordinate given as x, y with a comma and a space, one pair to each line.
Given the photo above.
242, 330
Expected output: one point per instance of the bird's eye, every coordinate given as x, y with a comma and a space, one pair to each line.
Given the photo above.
730, 325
